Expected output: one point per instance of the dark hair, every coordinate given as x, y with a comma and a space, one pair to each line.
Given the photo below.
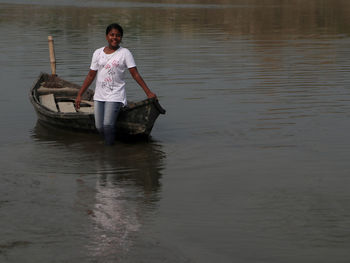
114, 26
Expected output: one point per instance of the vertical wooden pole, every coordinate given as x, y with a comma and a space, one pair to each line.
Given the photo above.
52, 56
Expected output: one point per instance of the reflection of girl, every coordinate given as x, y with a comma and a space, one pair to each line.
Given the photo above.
109, 64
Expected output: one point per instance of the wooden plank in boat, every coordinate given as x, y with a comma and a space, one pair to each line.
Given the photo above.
66, 107
58, 91
49, 102
88, 102
86, 109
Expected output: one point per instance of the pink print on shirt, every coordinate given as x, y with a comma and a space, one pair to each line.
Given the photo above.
110, 72
115, 63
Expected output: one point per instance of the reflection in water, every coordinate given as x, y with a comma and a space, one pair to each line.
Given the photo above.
125, 193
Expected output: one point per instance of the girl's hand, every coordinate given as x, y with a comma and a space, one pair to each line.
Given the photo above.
77, 102
151, 95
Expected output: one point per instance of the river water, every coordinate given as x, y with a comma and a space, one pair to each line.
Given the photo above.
249, 164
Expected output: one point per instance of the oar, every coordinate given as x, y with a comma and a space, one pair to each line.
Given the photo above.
52, 56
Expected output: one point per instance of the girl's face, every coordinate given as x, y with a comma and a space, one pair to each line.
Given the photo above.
114, 38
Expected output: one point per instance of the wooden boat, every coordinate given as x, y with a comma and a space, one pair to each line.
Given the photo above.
53, 100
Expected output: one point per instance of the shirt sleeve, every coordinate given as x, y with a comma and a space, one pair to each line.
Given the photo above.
129, 59
94, 61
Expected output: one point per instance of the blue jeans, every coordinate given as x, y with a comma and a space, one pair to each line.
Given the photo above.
106, 114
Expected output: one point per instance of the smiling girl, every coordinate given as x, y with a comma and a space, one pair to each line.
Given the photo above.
109, 64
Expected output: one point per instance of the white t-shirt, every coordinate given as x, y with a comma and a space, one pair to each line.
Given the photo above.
110, 84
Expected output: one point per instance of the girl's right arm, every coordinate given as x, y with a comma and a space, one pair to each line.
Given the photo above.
87, 82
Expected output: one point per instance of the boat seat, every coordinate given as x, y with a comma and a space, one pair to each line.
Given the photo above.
86, 109
66, 107
48, 101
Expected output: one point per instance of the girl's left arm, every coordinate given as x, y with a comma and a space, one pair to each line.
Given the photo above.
137, 77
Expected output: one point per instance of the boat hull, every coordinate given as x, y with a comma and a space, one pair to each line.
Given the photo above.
137, 118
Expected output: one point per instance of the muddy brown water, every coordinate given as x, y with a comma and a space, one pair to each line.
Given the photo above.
249, 164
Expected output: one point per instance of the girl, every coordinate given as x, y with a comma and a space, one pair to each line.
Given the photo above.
109, 64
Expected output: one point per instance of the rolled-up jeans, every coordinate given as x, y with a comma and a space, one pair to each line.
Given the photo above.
106, 114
